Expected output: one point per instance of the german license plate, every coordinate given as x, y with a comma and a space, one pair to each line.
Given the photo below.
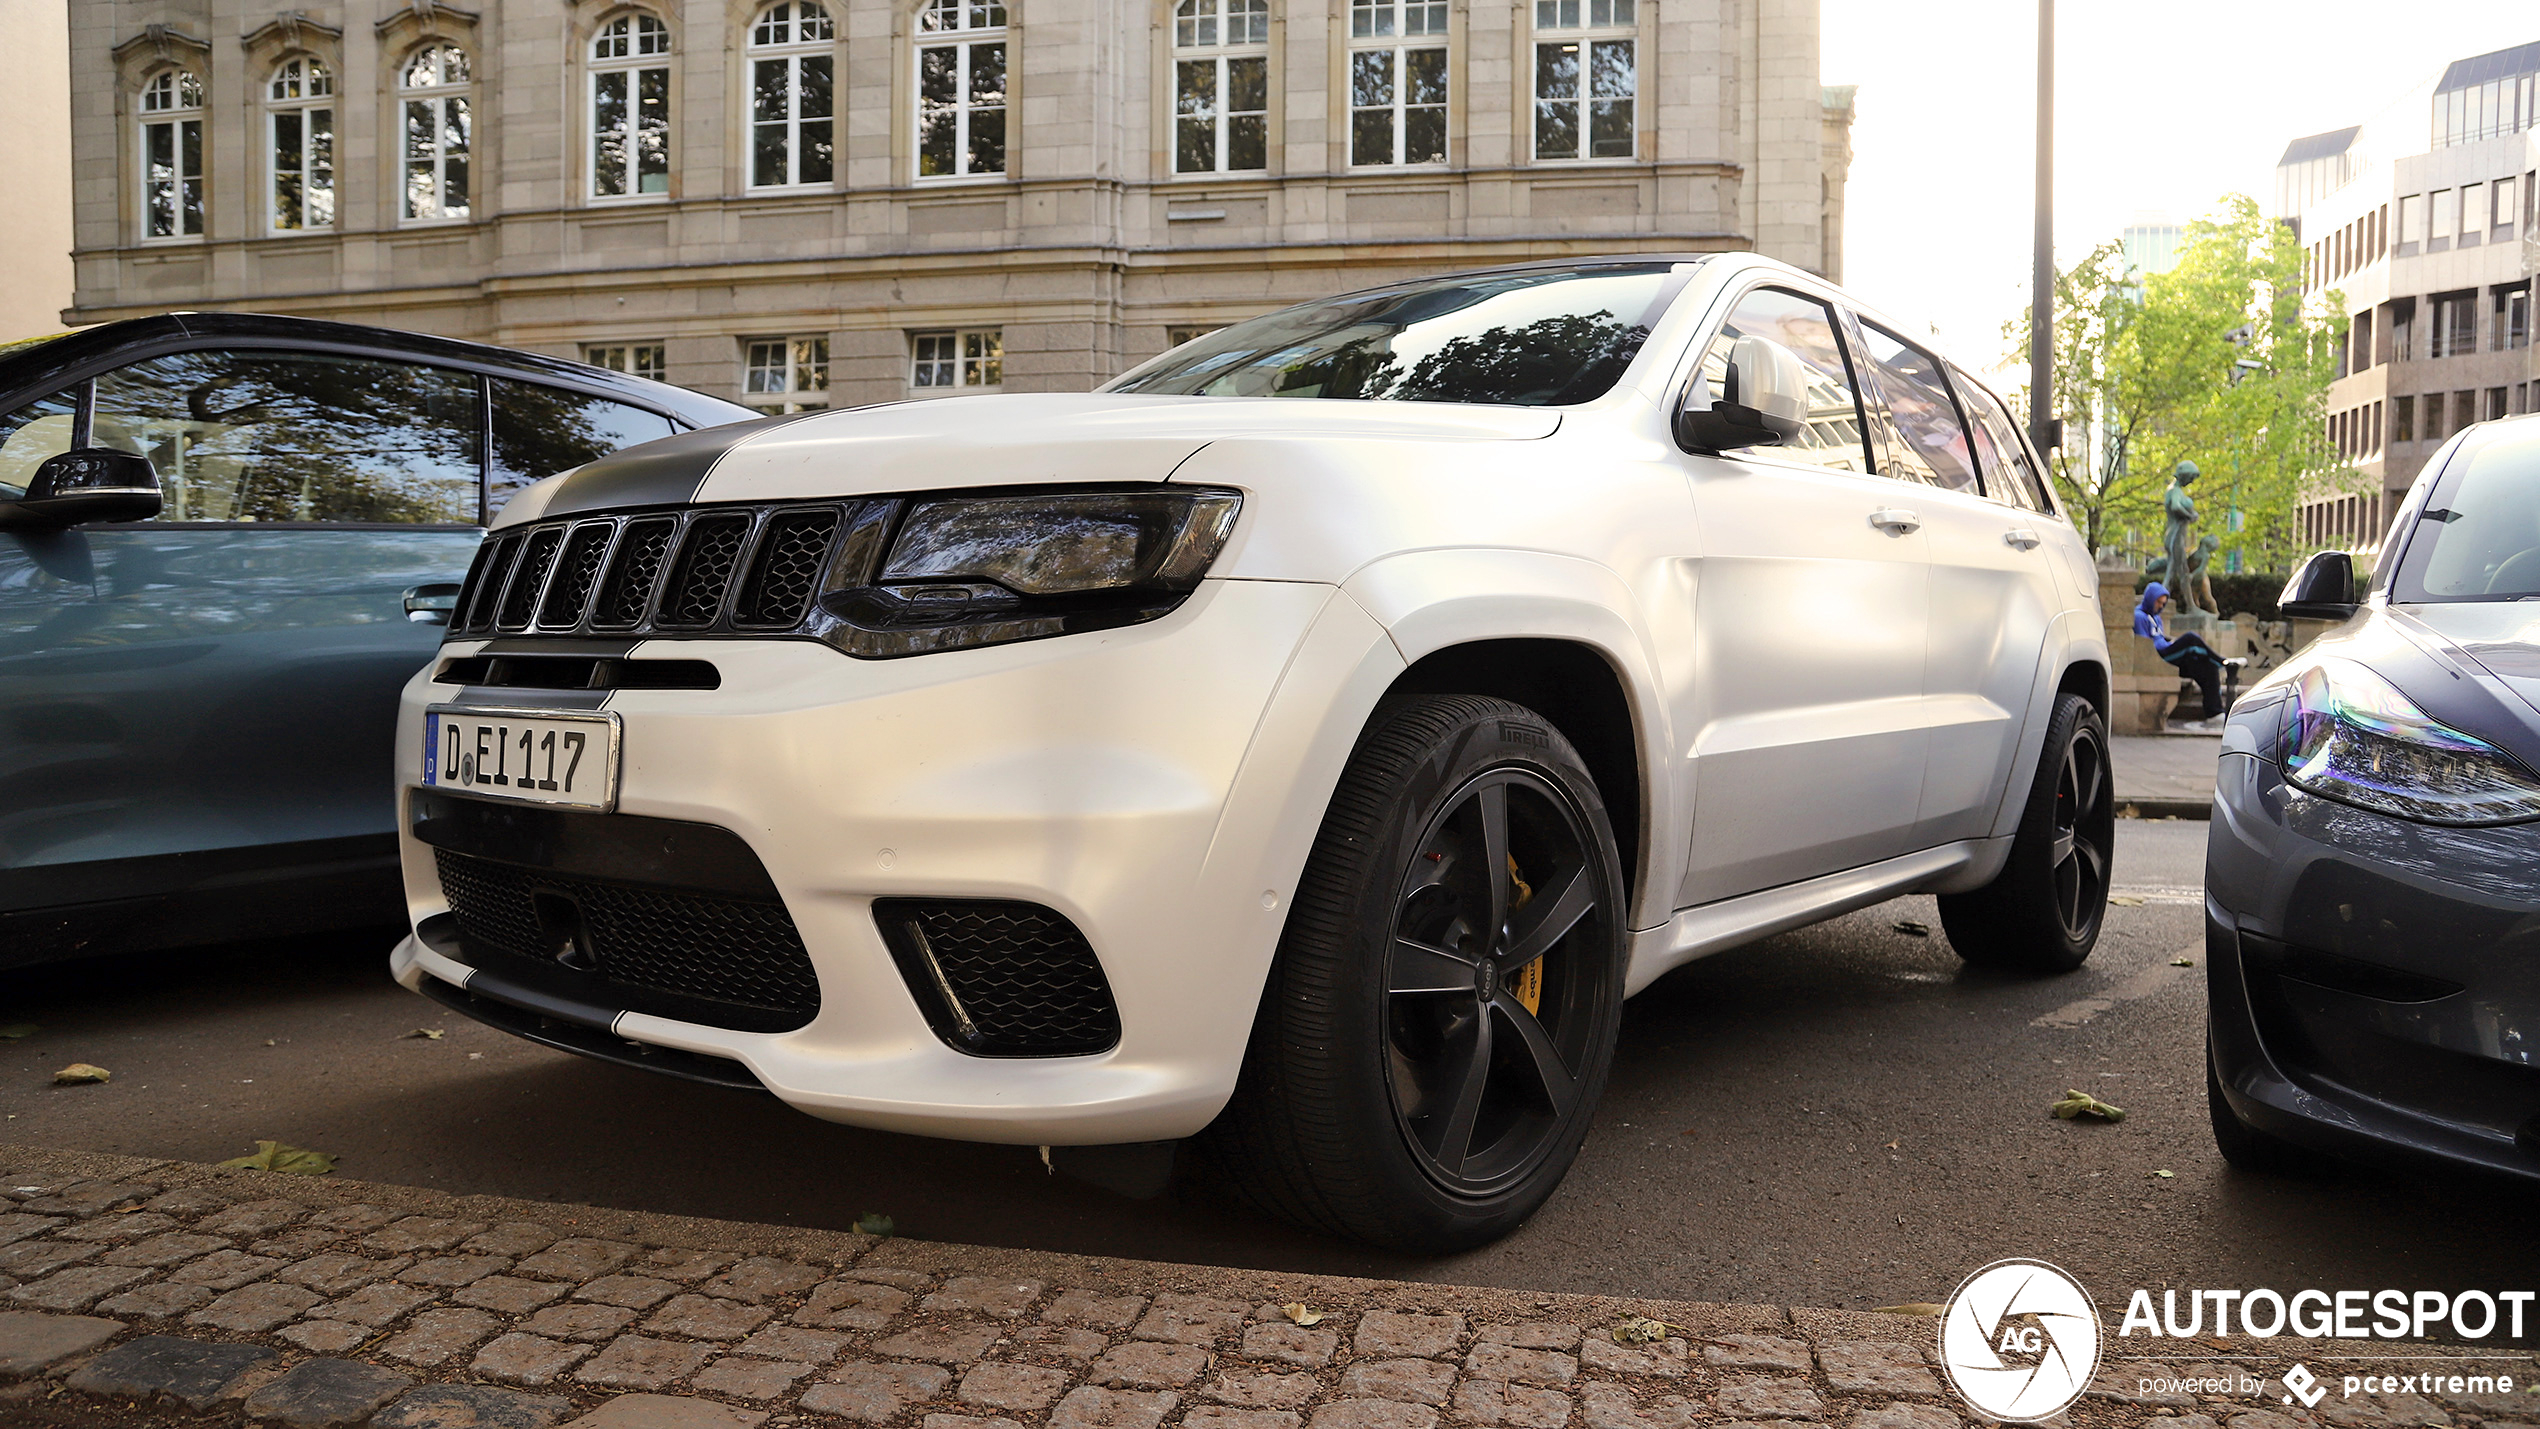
542, 756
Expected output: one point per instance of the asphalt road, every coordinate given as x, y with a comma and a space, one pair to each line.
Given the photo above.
1838, 1116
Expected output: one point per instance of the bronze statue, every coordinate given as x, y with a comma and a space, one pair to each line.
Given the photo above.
2196, 584
2175, 541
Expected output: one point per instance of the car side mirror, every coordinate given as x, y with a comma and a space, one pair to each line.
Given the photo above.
92, 484
2322, 589
1763, 401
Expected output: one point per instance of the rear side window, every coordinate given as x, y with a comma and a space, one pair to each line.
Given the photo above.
539, 431
297, 436
1932, 443
40, 429
1806, 327
2009, 475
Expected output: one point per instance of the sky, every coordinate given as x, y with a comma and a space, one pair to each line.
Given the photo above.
2160, 106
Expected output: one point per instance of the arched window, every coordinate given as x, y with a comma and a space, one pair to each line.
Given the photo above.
433, 90
1397, 82
961, 88
792, 137
630, 108
1586, 79
300, 135
172, 155
1221, 86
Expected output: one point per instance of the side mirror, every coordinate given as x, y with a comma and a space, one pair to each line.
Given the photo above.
2322, 589
1763, 401
93, 484
431, 604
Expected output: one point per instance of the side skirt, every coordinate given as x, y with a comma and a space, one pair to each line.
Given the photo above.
1733, 922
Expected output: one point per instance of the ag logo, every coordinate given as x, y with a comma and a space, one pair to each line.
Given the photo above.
2020, 1340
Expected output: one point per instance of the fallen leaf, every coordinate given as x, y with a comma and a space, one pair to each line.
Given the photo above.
2182, 962
1891, 1146
1641, 1330
1298, 1315
268, 1041
18, 1031
1913, 929
2166, 1175
2076, 1102
1917, 1308
874, 1223
428, 1033
1690, 1131
79, 1072
2125, 900
285, 1158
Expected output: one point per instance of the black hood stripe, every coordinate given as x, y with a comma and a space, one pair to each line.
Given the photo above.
669, 472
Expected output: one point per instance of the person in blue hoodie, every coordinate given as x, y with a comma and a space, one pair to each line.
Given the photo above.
2189, 652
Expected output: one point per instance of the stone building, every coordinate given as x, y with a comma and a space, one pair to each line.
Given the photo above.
809, 202
2427, 236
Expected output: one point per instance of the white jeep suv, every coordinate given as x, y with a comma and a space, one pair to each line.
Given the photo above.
1311, 777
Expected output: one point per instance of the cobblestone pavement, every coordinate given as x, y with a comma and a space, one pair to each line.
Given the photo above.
248, 1297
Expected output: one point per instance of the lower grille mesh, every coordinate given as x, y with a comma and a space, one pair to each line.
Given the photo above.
1002, 979
739, 953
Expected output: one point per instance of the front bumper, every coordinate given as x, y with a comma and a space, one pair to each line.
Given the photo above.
2374, 983
1158, 785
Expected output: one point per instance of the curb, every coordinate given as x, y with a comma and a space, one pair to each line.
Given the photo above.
2198, 809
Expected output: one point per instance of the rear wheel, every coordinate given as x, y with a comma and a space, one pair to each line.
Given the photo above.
2042, 913
1439, 1024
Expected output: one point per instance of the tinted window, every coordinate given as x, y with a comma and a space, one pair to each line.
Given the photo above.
2008, 473
2479, 536
1932, 443
276, 436
1806, 327
1538, 339
539, 431
40, 429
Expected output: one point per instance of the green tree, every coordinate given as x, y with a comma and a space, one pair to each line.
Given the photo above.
2221, 361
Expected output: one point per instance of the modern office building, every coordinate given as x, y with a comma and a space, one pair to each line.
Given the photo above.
809, 202
2431, 251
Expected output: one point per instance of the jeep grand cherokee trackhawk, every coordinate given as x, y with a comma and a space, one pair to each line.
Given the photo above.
1311, 777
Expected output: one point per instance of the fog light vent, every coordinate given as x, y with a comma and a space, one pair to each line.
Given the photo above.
1001, 979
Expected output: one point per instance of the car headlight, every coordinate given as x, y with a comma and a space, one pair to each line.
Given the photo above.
983, 570
2349, 735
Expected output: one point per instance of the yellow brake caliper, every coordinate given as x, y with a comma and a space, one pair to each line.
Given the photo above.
1529, 988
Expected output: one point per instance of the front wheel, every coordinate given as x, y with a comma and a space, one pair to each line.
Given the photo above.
2042, 913
1441, 1017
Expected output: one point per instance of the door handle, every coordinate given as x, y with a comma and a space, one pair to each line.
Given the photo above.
1896, 520
431, 604
2022, 537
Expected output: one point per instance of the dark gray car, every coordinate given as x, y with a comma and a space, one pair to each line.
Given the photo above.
197, 706
2373, 870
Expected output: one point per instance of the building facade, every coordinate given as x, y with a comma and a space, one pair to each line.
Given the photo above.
2431, 252
35, 228
817, 202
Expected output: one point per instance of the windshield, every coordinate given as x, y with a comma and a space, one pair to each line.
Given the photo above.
2479, 536
1533, 339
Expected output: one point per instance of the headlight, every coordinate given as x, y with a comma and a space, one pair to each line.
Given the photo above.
983, 570
2349, 735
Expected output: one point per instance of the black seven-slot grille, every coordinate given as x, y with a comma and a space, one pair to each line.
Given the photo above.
720, 961
1001, 979
712, 569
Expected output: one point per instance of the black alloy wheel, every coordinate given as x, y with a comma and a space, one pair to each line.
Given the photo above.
1489, 996
1440, 1019
2043, 913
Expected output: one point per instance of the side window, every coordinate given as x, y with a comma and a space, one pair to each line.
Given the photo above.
1806, 327
1932, 443
539, 431
40, 429
2008, 473
298, 436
